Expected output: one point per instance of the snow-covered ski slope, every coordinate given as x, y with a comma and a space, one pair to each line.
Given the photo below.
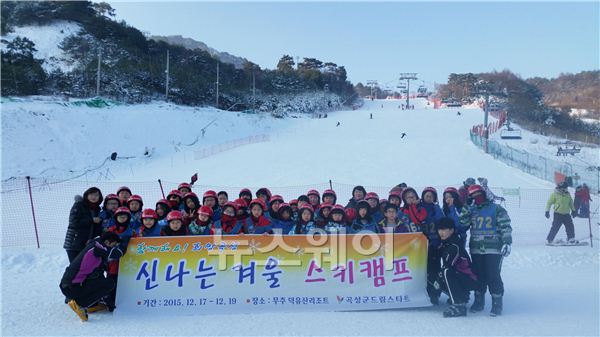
549, 290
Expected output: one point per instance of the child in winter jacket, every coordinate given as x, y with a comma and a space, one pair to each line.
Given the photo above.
107, 214
455, 277
203, 224
337, 220
452, 207
428, 202
135, 204
229, 224
209, 198
175, 225
175, 200
375, 212
273, 207
395, 222
284, 224
162, 209
150, 227
191, 204
323, 215
305, 222
363, 221
258, 223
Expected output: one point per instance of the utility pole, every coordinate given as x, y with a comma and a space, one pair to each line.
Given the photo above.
372, 84
408, 77
167, 79
486, 92
98, 72
217, 85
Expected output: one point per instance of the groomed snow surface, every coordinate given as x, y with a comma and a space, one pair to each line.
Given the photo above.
549, 290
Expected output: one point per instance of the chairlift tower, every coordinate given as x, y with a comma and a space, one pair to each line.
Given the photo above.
485, 91
372, 84
408, 77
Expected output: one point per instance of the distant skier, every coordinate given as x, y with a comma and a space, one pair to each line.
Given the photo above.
403, 135
371, 115
338, 124
458, 113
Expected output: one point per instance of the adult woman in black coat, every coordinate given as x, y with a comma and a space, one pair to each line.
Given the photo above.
84, 222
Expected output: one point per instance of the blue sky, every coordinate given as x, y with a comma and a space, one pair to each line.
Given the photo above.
380, 40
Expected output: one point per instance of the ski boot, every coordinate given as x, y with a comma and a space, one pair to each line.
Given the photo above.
573, 241
456, 310
479, 302
81, 312
496, 305
97, 307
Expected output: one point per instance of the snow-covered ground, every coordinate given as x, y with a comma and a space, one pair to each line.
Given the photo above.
48, 39
549, 290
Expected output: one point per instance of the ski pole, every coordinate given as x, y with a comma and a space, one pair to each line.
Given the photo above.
161, 188
590, 224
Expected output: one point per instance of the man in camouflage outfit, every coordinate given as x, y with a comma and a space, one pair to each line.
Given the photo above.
489, 243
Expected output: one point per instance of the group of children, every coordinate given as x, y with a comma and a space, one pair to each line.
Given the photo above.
469, 209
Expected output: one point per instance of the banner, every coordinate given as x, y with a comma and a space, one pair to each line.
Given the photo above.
249, 273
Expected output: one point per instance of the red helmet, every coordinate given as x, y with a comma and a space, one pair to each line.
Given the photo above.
338, 209
137, 198
241, 203
245, 191
432, 190
184, 185
123, 210
294, 202
313, 192
395, 193
163, 201
371, 195
190, 195
209, 194
450, 190
124, 188
276, 197
206, 211
259, 202
350, 214
475, 188
111, 196
330, 192
283, 207
174, 215
231, 204
326, 205
149, 213
176, 193
265, 191
307, 207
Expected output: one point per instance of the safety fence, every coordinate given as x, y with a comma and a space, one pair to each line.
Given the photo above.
540, 166
50, 203
218, 148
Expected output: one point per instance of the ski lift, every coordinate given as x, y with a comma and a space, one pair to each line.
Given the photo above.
510, 132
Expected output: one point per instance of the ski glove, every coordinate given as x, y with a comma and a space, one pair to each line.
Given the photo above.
505, 251
547, 215
573, 214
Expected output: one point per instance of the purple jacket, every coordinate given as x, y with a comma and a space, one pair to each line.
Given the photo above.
90, 262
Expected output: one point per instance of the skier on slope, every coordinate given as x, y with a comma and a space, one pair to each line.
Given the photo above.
563, 205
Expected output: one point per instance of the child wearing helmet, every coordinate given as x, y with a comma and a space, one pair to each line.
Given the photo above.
304, 224
149, 227
323, 215
363, 221
123, 229
337, 220
284, 224
174, 198
162, 208
329, 197
135, 204
123, 193
490, 241
203, 224
191, 204
258, 223
107, 214
375, 212
564, 210
313, 198
294, 204
273, 207
210, 199
455, 278
229, 224
174, 225
184, 188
